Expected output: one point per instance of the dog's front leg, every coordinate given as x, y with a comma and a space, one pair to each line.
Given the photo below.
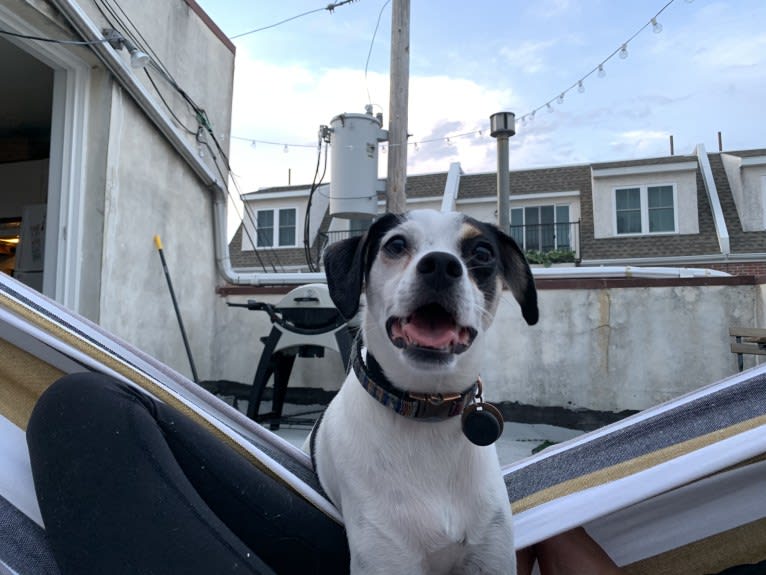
374, 552
492, 552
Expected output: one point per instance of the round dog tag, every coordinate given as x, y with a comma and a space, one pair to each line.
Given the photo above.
482, 423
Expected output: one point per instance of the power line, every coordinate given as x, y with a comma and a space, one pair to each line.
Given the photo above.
579, 85
330, 8
369, 52
54, 40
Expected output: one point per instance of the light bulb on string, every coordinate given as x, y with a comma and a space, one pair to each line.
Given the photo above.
624, 51
580, 87
252, 144
601, 72
656, 26
560, 99
549, 108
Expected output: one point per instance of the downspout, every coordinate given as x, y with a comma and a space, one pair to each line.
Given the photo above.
88, 30
715, 203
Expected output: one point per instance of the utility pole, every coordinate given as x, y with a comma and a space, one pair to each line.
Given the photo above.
396, 196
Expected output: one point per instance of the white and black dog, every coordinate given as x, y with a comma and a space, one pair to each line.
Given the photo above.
392, 450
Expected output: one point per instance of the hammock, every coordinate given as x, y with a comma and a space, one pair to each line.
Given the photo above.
675, 489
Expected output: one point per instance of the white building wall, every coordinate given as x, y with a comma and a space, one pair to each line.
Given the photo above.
131, 184
604, 199
747, 180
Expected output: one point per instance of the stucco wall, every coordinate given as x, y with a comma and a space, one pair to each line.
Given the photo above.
754, 183
618, 348
604, 201
601, 349
139, 186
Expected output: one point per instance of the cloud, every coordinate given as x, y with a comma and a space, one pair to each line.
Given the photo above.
732, 53
528, 56
634, 143
439, 107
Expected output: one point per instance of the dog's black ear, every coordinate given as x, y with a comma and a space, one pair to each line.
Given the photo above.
344, 268
518, 277
347, 262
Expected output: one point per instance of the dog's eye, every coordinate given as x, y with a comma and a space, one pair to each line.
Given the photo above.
483, 253
396, 246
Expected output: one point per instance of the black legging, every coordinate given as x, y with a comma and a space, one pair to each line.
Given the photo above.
127, 484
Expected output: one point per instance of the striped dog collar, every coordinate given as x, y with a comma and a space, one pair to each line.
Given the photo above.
424, 406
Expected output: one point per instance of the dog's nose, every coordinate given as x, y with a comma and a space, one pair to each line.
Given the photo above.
439, 269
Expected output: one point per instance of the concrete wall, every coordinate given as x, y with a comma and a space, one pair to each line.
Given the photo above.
617, 348
606, 349
147, 197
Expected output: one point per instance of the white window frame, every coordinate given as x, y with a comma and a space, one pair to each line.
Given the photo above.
644, 199
275, 228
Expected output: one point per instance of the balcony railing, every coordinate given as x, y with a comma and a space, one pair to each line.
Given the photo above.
560, 240
560, 237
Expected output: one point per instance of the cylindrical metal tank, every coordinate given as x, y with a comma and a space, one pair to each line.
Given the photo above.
354, 166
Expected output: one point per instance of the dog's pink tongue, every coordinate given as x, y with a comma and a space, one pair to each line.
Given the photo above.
436, 332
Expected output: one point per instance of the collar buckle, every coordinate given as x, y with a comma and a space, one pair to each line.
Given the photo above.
435, 399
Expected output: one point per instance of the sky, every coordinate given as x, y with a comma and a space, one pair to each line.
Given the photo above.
704, 72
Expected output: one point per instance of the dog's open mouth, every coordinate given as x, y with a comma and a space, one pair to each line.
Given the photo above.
430, 327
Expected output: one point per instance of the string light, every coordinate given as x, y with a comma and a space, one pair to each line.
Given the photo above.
524, 120
624, 51
621, 51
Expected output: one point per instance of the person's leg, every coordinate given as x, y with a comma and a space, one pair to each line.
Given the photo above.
128, 485
573, 553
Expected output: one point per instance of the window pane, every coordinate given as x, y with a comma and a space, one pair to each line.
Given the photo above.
660, 196
661, 209
628, 202
532, 228
629, 222
287, 227
628, 199
546, 229
265, 228
661, 220
562, 228
517, 226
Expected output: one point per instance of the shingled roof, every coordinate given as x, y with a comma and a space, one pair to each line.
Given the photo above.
576, 178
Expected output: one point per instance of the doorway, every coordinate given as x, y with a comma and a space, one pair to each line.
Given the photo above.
25, 142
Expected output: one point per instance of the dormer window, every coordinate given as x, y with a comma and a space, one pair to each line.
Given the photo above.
646, 209
285, 230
